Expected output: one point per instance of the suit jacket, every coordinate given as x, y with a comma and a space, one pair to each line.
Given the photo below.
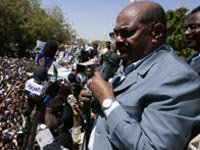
196, 64
159, 105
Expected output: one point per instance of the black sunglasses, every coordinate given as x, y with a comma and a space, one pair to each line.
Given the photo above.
123, 33
191, 27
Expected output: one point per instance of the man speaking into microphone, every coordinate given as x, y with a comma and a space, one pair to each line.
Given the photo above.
155, 95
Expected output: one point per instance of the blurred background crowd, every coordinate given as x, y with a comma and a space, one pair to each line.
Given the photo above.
72, 66
13, 74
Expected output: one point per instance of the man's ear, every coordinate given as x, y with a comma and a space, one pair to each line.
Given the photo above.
158, 32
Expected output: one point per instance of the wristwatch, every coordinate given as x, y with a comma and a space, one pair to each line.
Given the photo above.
107, 103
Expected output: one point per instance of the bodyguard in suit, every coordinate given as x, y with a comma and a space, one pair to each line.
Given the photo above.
192, 34
155, 104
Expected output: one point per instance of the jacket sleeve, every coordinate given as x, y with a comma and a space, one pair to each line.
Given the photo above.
170, 109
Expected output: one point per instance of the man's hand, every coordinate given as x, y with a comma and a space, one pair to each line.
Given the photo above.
84, 96
76, 110
100, 88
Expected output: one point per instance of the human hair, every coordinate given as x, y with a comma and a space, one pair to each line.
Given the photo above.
95, 44
63, 89
196, 9
72, 78
108, 42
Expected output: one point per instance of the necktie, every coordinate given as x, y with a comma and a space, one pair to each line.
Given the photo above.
116, 81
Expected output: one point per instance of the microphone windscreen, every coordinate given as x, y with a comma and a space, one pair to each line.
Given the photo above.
114, 59
50, 48
109, 64
40, 73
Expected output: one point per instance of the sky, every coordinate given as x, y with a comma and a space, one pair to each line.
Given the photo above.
94, 19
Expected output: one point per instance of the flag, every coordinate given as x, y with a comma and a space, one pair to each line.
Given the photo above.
55, 74
55, 71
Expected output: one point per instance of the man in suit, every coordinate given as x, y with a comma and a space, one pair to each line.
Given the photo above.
156, 103
192, 34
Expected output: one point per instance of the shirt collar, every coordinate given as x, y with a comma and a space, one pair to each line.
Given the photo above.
134, 65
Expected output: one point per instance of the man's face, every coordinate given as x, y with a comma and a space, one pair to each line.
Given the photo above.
88, 72
132, 38
192, 31
108, 45
95, 47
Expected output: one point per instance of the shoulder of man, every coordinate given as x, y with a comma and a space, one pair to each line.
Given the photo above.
188, 59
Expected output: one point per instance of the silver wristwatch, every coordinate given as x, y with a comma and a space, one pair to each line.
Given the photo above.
107, 103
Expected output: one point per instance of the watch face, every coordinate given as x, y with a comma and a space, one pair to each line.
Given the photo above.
42, 126
107, 103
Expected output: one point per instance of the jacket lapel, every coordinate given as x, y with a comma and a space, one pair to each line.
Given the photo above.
189, 59
196, 66
141, 70
129, 80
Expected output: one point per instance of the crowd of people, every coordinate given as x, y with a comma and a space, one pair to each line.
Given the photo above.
14, 73
67, 129
152, 101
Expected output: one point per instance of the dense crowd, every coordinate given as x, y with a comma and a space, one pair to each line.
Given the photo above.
14, 72
152, 89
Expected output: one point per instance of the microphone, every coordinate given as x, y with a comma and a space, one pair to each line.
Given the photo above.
50, 48
109, 64
46, 56
37, 85
36, 90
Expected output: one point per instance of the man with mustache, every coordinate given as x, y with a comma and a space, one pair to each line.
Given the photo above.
155, 104
192, 34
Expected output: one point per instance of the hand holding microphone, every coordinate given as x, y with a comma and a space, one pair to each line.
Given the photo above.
98, 85
100, 88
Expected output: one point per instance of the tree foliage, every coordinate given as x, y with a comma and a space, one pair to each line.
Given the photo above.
80, 42
23, 22
175, 25
100, 43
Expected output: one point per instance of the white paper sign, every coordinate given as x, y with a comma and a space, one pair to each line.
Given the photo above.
44, 137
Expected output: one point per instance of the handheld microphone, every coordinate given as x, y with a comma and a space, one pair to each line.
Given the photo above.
36, 90
50, 48
109, 64
46, 56
37, 85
